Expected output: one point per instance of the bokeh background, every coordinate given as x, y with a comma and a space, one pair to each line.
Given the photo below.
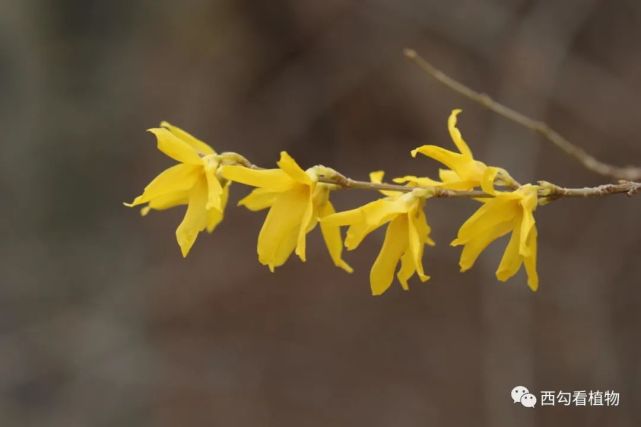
102, 323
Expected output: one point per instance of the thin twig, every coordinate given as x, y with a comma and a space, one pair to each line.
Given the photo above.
628, 188
547, 190
628, 173
343, 182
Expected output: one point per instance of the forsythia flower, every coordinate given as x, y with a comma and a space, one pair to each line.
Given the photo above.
464, 173
296, 201
505, 212
192, 182
405, 238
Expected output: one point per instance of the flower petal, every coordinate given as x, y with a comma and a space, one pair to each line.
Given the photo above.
407, 270
305, 224
373, 215
449, 158
448, 176
175, 147
487, 181
423, 228
511, 260
456, 136
279, 235
332, 237
530, 261
416, 243
195, 219
528, 204
452, 181
166, 201
289, 166
272, 179
196, 143
178, 178
486, 217
475, 246
215, 216
394, 245
376, 176
258, 199
214, 189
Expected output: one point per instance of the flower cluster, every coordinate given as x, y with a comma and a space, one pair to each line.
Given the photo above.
298, 201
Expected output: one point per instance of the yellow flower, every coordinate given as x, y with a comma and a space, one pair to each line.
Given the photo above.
464, 173
405, 238
504, 213
191, 182
296, 201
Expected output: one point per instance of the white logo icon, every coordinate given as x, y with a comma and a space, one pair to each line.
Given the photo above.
528, 400
518, 392
523, 396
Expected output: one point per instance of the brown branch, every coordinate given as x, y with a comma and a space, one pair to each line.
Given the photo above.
343, 182
553, 192
628, 173
547, 190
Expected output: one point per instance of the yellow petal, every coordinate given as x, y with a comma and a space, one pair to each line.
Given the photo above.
166, 201
394, 245
348, 217
279, 234
475, 246
530, 261
528, 204
449, 158
178, 178
407, 270
305, 225
196, 143
511, 261
491, 213
416, 244
175, 147
412, 258
289, 166
258, 199
215, 216
373, 215
358, 226
214, 189
452, 181
376, 176
456, 136
423, 228
272, 179
527, 226
332, 237
447, 175
195, 219
487, 181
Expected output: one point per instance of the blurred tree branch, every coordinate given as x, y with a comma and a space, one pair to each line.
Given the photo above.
627, 173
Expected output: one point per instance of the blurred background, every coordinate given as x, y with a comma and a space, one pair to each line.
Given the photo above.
102, 323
